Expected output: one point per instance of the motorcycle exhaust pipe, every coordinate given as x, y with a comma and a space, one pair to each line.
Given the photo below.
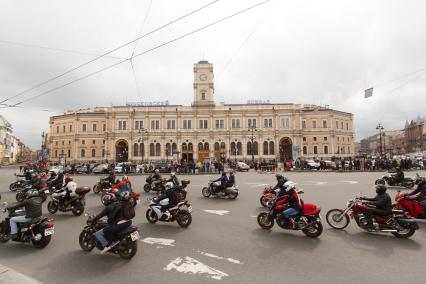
388, 231
413, 220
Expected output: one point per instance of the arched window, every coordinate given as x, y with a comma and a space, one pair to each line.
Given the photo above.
168, 149
315, 150
240, 148
93, 153
305, 150
265, 148
184, 147
206, 146
249, 148
255, 148
190, 147
142, 150
174, 148
200, 146
233, 147
216, 146
135, 150
271, 148
325, 149
223, 146
157, 149
152, 149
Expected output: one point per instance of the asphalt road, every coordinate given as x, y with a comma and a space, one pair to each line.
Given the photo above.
228, 246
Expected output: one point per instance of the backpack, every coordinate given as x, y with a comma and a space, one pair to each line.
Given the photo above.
128, 210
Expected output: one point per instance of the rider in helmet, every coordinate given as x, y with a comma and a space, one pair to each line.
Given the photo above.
124, 185
111, 178
398, 175
223, 181
173, 178
382, 202
420, 192
33, 209
157, 175
281, 180
291, 197
231, 180
117, 220
67, 191
58, 181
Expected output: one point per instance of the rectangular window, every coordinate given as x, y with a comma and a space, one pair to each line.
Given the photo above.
124, 125
69, 153
203, 124
93, 142
103, 141
315, 139
83, 142
63, 142
304, 139
155, 124
314, 124
171, 124
84, 127
347, 126
70, 128
83, 153
220, 123
104, 127
337, 125
325, 138
120, 125
63, 128
136, 124
236, 123
324, 124
252, 122
285, 122
341, 125
187, 124
139, 124
94, 127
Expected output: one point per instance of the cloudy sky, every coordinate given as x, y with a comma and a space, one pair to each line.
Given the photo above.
321, 52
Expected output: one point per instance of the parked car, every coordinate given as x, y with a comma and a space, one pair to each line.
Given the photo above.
163, 167
330, 165
100, 169
118, 169
241, 166
312, 165
81, 169
56, 169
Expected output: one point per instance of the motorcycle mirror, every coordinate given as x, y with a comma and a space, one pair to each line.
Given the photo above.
86, 214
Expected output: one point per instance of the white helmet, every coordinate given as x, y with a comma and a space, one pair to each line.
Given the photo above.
290, 185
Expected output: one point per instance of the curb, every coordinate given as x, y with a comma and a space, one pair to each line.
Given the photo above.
8, 275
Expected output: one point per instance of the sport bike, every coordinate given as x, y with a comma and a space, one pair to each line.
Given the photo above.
411, 207
126, 248
38, 231
181, 213
398, 223
211, 189
308, 220
267, 194
75, 204
407, 182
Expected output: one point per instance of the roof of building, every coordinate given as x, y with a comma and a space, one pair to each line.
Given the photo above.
203, 62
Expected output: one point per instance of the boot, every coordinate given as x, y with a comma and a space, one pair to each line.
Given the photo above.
14, 237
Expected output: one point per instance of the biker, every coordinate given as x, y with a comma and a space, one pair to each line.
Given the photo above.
173, 178
111, 178
291, 197
58, 181
382, 202
33, 209
118, 220
231, 179
124, 185
420, 192
281, 180
157, 178
67, 191
398, 175
168, 200
223, 181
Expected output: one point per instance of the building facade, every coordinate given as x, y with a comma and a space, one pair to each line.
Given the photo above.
9, 148
204, 130
415, 135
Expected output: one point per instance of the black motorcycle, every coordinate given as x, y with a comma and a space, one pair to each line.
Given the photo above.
102, 184
407, 182
154, 185
42, 190
38, 231
19, 183
212, 189
128, 239
75, 204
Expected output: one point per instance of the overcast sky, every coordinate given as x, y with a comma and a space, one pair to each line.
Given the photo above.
320, 52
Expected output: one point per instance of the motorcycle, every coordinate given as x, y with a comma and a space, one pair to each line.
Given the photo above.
398, 223
128, 239
211, 189
309, 221
42, 189
178, 213
108, 196
267, 194
75, 204
154, 185
408, 182
411, 207
19, 183
103, 183
38, 231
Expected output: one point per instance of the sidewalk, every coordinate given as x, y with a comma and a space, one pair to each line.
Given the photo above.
8, 275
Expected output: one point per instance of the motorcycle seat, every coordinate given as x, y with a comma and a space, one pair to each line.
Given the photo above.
126, 231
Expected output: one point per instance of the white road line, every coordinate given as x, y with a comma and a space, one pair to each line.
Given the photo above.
236, 261
350, 181
159, 242
193, 266
217, 212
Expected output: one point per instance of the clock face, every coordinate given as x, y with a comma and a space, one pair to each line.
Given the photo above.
203, 77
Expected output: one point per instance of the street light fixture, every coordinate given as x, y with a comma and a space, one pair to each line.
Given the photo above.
253, 129
380, 128
141, 132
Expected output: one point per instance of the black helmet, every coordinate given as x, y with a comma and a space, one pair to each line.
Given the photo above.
380, 189
223, 174
125, 196
279, 176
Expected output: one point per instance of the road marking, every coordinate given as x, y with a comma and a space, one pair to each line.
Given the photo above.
217, 212
236, 261
350, 181
193, 266
159, 242
317, 182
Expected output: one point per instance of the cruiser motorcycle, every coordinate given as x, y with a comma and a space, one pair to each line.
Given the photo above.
75, 204
398, 223
211, 189
408, 182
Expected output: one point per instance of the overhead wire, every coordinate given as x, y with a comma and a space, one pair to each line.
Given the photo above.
146, 51
109, 52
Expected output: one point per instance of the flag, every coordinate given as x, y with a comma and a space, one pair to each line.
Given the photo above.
368, 93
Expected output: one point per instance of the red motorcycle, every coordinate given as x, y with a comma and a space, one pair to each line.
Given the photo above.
309, 221
398, 223
267, 194
411, 207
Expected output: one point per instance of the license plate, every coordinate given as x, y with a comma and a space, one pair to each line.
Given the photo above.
190, 209
134, 235
49, 231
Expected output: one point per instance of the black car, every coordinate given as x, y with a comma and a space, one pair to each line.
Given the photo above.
163, 167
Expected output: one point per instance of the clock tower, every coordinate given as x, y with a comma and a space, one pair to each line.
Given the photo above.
203, 84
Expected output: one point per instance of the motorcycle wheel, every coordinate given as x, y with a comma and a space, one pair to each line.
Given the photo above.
409, 184
78, 209
263, 201
380, 181
233, 195
206, 192
20, 196
45, 240
96, 189
128, 249
86, 241
43, 196
146, 188
265, 220
52, 207
406, 233
13, 187
313, 231
151, 216
333, 217
184, 219
4, 236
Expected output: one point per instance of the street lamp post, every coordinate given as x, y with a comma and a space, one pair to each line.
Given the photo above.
380, 128
42, 145
252, 128
141, 132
